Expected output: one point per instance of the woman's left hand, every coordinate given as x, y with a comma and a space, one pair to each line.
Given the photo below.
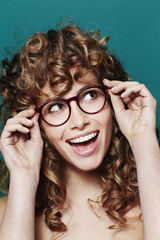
134, 106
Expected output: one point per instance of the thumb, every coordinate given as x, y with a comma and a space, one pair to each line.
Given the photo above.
117, 103
35, 133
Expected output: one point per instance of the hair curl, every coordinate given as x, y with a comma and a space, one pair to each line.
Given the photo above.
48, 58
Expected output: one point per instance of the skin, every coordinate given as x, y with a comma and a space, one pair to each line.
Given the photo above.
137, 124
80, 124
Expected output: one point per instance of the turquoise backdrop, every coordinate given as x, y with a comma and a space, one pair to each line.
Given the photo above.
134, 27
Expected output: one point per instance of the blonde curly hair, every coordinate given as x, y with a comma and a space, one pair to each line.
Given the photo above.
48, 58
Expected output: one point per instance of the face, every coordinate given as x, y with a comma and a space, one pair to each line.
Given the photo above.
85, 138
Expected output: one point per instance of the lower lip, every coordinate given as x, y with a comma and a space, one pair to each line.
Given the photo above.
88, 151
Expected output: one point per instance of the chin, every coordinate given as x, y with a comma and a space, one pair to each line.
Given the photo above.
85, 164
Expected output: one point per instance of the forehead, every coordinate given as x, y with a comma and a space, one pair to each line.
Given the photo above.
88, 79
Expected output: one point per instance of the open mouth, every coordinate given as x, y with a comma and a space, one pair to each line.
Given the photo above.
86, 145
84, 140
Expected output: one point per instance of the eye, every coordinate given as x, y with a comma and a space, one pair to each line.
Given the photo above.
90, 95
56, 107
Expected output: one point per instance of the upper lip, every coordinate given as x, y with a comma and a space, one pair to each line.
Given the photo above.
82, 135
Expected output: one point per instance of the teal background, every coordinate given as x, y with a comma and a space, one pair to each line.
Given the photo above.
134, 27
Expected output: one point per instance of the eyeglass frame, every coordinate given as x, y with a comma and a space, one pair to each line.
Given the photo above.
74, 98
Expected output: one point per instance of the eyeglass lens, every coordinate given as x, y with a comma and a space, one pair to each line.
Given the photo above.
89, 101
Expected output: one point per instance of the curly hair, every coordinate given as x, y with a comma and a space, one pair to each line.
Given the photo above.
48, 58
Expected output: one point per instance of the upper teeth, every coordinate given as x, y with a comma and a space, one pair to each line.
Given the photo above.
83, 139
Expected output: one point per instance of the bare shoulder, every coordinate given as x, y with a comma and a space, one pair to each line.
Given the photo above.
134, 212
135, 221
3, 202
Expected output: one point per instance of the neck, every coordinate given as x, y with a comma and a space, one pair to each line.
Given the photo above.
81, 185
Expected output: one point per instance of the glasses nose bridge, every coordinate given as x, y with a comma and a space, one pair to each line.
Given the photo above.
69, 100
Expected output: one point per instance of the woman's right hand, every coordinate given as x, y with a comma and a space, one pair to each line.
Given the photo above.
21, 143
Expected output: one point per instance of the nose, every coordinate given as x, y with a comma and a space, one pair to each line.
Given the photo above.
78, 118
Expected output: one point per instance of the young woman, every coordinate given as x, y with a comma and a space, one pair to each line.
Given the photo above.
79, 133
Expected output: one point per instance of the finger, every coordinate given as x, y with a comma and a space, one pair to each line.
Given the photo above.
12, 128
29, 112
127, 100
23, 120
113, 83
110, 83
121, 87
18, 120
35, 133
117, 103
138, 89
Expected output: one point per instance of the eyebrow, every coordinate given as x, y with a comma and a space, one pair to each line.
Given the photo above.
49, 99
85, 87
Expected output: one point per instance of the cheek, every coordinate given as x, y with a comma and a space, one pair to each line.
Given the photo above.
54, 134
107, 123
105, 118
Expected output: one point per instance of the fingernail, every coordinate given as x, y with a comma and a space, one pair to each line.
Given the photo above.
113, 88
32, 106
26, 129
105, 80
29, 121
31, 110
37, 116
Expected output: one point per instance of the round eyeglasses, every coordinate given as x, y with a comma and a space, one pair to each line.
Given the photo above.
57, 111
